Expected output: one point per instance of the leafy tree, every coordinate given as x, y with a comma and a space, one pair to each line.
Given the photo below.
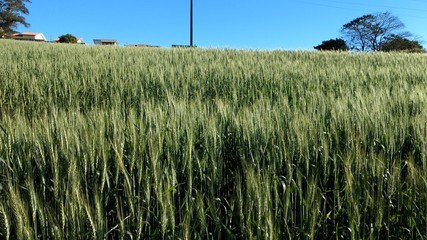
67, 38
11, 14
337, 44
370, 32
397, 43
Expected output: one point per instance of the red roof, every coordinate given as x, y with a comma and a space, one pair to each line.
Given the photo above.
25, 34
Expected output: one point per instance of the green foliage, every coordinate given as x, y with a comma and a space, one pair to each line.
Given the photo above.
368, 33
126, 143
337, 44
11, 12
67, 38
397, 43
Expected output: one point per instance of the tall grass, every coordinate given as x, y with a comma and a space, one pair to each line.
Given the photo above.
127, 143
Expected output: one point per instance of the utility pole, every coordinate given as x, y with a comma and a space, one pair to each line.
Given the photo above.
191, 23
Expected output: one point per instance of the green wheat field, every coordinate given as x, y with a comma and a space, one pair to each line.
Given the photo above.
131, 143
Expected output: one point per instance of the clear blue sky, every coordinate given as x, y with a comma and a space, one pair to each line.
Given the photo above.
253, 24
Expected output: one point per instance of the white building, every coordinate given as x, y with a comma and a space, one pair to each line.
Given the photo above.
80, 40
29, 36
105, 42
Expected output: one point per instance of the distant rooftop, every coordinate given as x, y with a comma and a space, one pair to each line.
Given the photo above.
140, 45
181, 46
29, 36
105, 42
26, 34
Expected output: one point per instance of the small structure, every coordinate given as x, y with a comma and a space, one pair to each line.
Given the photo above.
29, 36
142, 45
105, 42
181, 46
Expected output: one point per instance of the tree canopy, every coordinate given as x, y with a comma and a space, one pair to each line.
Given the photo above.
337, 44
11, 14
371, 31
67, 38
397, 43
